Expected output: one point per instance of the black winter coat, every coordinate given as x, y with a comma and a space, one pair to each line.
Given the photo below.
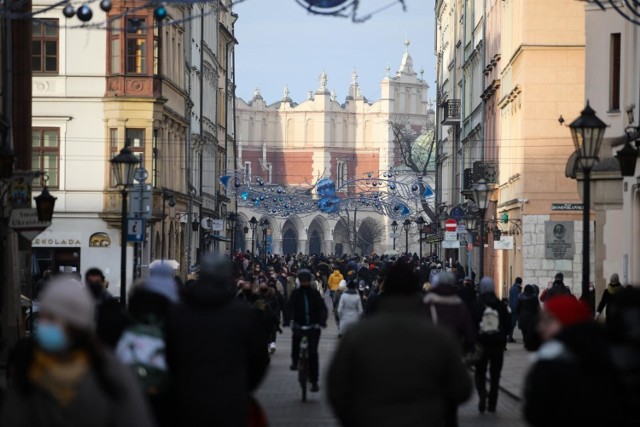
528, 311
217, 353
573, 382
317, 308
452, 314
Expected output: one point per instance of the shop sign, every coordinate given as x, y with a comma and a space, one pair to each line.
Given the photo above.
57, 239
25, 221
504, 244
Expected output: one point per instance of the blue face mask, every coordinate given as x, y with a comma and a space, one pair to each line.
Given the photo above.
51, 337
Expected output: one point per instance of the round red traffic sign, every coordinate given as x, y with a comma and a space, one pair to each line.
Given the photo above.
451, 225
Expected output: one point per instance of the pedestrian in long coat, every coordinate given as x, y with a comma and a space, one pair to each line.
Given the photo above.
350, 307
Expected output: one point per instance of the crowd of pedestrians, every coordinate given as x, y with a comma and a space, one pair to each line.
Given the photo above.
414, 336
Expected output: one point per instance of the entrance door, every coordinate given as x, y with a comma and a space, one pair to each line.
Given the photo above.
315, 243
289, 242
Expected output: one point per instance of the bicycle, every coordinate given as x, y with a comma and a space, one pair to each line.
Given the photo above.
303, 359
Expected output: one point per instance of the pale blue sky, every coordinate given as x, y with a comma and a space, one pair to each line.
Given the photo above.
280, 42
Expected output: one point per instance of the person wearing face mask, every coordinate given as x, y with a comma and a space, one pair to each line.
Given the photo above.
111, 317
63, 376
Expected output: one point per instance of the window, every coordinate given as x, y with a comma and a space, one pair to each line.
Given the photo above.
44, 45
135, 141
115, 46
136, 56
247, 171
614, 80
45, 155
342, 174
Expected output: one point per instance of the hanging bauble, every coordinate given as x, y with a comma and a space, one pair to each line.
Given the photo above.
106, 5
414, 187
160, 12
326, 187
84, 13
69, 11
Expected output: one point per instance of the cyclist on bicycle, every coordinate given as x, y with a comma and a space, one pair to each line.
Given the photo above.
307, 309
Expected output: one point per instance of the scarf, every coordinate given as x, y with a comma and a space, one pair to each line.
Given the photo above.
614, 288
59, 378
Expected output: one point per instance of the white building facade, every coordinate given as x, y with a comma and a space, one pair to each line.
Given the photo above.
294, 144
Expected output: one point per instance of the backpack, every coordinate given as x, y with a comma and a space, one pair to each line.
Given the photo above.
142, 348
490, 321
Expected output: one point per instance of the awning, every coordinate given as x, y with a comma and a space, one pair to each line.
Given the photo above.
170, 262
218, 238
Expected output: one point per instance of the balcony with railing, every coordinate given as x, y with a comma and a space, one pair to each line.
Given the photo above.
451, 112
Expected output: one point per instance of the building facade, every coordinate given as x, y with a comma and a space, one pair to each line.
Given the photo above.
294, 144
517, 66
612, 88
141, 83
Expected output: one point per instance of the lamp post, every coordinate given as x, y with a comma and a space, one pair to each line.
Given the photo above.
442, 219
394, 228
481, 192
265, 226
253, 223
406, 225
587, 132
172, 202
232, 218
124, 168
470, 222
420, 223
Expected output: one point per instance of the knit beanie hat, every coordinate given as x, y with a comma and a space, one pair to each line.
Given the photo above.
615, 279
161, 282
487, 286
68, 300
568, 310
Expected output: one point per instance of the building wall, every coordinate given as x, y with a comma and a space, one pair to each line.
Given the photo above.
301, 142
618, 246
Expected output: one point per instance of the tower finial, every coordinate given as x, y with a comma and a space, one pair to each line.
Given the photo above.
388, 70
407, 42
323, 81
354, 77
285, 93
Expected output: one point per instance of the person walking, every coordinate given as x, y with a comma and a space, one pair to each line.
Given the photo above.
216, 350
307, 308
491, 318
572, 381
111, 317
446, 310
349, 308
557, 288
528, 312
62, 376
396, 368
612, 289
514, 294
467, 292
336, 301
334, 281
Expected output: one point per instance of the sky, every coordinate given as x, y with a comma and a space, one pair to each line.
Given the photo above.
281, 43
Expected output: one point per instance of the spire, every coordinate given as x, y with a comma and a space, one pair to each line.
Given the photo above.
285, 94
334, 97
406, 67
388, 72
354, 89
323, 82
256, 94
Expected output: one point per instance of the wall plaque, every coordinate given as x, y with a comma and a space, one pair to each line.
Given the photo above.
558, 240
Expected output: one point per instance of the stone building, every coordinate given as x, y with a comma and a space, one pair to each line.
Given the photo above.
140, 83
506, 71
291, 143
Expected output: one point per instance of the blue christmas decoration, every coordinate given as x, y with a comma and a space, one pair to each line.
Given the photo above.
326, 187
428, 192
224, 180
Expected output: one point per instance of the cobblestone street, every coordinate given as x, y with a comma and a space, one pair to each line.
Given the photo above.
280, 394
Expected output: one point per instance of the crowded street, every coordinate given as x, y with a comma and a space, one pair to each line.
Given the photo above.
280, 392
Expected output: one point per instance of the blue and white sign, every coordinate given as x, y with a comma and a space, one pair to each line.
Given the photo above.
136, 230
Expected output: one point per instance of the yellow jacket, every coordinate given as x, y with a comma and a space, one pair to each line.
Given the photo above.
334, 280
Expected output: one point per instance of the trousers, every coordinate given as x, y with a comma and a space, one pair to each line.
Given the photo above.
313, 336
492, 358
